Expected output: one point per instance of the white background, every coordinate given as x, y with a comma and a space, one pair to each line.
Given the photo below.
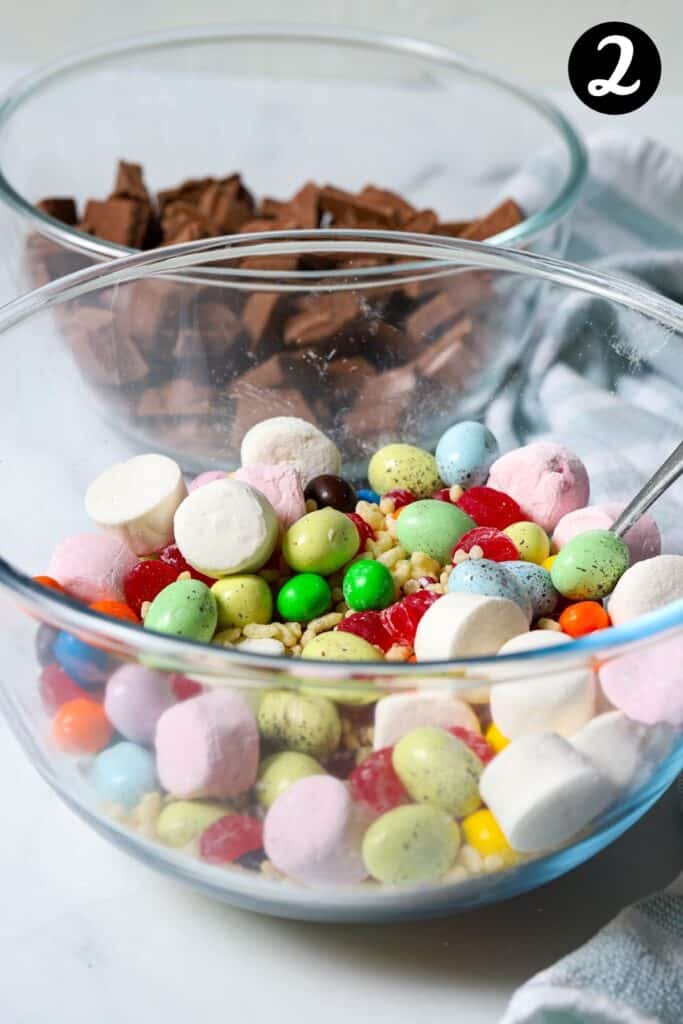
88, 935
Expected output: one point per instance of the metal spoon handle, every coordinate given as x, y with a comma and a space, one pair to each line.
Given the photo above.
667, 474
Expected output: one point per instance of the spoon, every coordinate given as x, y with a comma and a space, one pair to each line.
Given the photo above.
660, 481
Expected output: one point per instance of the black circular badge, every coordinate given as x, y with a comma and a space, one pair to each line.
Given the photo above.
614, 68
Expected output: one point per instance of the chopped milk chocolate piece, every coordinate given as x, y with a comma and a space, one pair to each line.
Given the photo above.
182, 222
322, 318
189, 191
458, 293
285, 262
505, 216
122, 221
381, 402
348, 210
216, 322
346, 377
302, 208
61, 208
394, 205
130, 183
452, 228
226, 205
149, 311
253, 406
189, 346
104, 356
421, 222
268, 374
179, 397
260, 314
444, 359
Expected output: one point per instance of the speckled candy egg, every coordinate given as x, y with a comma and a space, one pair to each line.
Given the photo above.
124, 773
242, 600
434, 527
186, 608
403, 466
340, 646
304, 723
538, 584
465, 453
321, 542
411, 844
439, 769
492, 579
589, 566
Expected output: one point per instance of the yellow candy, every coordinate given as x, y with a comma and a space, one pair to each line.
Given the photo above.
495, 738
531, 541
482, 831
547, 563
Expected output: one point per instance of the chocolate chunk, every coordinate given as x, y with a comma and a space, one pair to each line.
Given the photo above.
150, 312
122, 221
189, 191
260, 315
348, 210
302, 209
394, 205
283, 262
104, 356
130, 183
182, 222
447, 361
323, 316
505, 216
217, 323
253, 405
344, 378
61, 208
226, 205
179, 397
422, 222
452, 228
380, 406
458, 293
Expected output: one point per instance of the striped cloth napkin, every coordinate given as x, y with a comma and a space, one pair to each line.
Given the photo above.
629, 221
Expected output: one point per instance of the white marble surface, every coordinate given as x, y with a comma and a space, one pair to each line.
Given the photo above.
88, 934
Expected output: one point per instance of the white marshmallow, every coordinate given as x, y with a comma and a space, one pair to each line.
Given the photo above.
401, 712
550, 698
467, 625
293, 440
136, 501
226, 527
646, 586
623, 750
542, 791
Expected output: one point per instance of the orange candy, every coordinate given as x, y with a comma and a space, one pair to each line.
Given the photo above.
582, 618
115, 610
47, 581
81, 727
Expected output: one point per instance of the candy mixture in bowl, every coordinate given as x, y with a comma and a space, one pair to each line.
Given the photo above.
327, 675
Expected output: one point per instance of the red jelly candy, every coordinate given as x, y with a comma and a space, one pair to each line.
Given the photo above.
171, 556
145, 580
489, 507
230, 838
401, 619
184, 688
369, 626
401, 497
496, 546
56, 688
477, 744
376, 784
365, 531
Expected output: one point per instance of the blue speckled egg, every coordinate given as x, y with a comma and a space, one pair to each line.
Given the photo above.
465, 454
538, 584
365, 494
122, 774
481, 576
86, 665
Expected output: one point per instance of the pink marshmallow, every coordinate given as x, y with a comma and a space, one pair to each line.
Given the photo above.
546, 480
205, 478
135, 699
281, 484
92, 566
313, 833
643, 539
208, 746
647, 685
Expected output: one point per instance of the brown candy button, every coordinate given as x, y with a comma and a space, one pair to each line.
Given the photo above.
329, 491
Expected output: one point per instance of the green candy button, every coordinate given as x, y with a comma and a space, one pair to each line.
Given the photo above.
304, 597
368, 585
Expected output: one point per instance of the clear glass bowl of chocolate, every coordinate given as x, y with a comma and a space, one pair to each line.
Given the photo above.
59, 433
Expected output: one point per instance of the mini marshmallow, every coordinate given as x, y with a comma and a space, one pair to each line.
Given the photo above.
292, 440
226, 527
208, 746
546, 480
135, 699
646, 586
402, 712
647, 684
206, 478
281, 485
136, 501
550, 698
623, 750
313, 833
92, 567
466, 625
643, 540
542, 791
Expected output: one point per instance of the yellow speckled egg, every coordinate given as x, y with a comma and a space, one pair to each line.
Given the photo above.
404, 466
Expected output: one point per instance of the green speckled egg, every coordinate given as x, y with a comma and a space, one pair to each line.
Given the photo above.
434, 527
439, 769
185, 608
301, 722
340, 646
320, 542
184, 820
411, 844
242, 600
405, 466
590, 565
279, 771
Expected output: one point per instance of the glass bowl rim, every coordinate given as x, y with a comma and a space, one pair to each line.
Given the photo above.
71, 615
28, 86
